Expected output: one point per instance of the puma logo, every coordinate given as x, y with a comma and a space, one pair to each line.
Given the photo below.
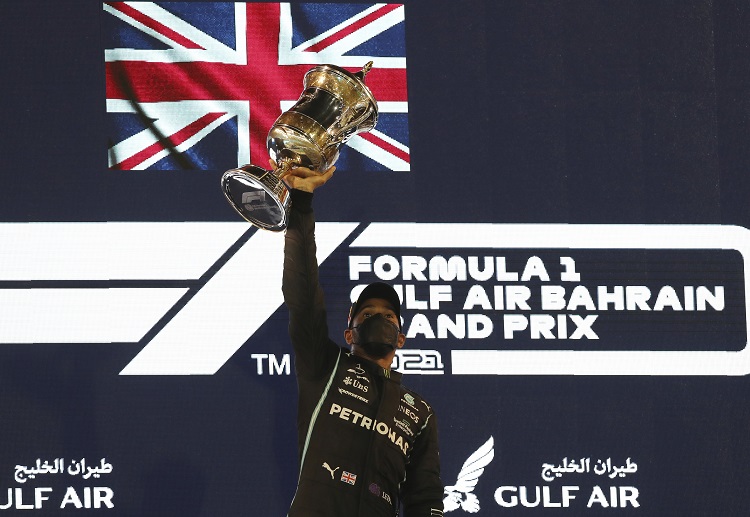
329, 469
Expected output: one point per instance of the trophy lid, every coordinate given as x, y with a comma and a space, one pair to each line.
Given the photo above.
355, 80
360, 76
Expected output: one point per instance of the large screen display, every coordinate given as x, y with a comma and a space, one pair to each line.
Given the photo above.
558, 191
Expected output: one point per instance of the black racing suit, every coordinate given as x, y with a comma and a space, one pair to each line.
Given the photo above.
367, 444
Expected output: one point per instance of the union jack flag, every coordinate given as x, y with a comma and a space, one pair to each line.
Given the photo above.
348, 477
199, 85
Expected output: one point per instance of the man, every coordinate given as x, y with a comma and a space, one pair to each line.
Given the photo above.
367, 445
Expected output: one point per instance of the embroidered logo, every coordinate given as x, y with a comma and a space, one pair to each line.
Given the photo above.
359, 372
376, 491
353, 395
329, 469
356, 384
404, 425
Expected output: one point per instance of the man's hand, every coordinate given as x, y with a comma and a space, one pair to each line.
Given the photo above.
302, 178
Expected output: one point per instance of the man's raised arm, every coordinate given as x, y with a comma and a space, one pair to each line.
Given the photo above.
303, 294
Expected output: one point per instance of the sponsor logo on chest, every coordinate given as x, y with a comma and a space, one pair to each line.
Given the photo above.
382, 428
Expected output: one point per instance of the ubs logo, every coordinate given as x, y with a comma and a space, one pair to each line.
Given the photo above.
356, 384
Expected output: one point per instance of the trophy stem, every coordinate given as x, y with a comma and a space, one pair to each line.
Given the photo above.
278, 171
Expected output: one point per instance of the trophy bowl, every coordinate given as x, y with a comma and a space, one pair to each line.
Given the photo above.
335, 105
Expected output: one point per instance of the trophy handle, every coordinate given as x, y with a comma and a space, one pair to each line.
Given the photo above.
352, 126
284, 165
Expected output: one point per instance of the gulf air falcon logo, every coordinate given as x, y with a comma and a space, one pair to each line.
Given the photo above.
460, 494
199, 85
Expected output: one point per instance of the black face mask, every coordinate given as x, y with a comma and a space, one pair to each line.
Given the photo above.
377, 336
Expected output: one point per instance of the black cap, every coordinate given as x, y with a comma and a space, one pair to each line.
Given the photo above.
377, 290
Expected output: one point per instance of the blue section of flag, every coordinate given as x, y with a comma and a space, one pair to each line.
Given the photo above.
395, 125
214, 152
215, 19
124, 125
118, 34
388, 44
312, 20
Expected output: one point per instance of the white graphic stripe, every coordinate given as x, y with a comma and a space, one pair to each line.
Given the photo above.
117, 315
113, 250
578, 236
229, 309
568, 362
547, 236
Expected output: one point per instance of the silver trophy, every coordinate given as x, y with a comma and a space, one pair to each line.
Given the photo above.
334, 105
